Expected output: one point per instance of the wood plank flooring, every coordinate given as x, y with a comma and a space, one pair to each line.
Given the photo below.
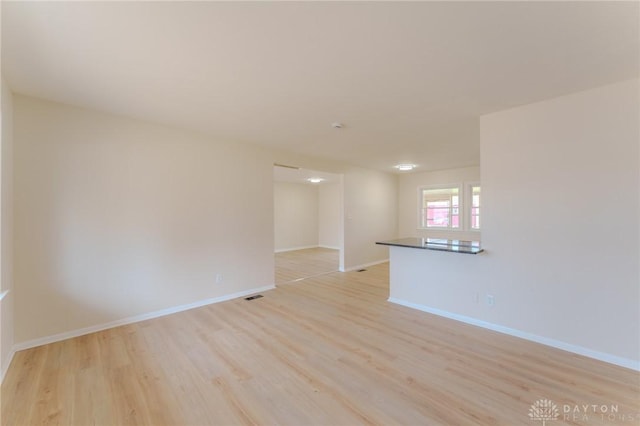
298, 264
329, 350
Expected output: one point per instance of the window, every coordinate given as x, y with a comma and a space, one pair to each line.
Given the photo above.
475, 207
440, 207
450, 207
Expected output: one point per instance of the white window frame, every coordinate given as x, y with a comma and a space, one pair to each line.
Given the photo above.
468, 205
461, 203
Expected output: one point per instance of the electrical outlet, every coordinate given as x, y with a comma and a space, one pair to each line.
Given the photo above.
218, 278
490, 300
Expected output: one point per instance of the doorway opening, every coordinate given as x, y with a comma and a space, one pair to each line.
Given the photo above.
308, 223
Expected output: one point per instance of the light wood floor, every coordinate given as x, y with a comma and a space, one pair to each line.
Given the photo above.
298, 264
324, 351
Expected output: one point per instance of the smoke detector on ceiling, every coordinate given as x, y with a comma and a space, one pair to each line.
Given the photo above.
336, 125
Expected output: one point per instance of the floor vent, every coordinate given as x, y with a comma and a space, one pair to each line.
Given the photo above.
361, 270
257, 296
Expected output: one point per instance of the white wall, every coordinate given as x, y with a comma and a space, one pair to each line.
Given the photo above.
6, 230
330, 215
408, 207
370, 211
560, 227
115, 218
560, 192
295, 216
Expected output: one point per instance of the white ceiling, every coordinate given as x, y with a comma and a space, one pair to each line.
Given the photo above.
408, 79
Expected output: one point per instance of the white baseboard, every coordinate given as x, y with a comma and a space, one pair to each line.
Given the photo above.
364, 265
329, 247
5, 367
295, 248
137, 318
601, 356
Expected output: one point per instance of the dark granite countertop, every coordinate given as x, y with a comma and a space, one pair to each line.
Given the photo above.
455, 246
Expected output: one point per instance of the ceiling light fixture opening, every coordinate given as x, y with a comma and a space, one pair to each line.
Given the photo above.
405, 167
315, 180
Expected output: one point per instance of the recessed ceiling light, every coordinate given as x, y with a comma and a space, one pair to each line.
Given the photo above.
315, 180
405, 167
